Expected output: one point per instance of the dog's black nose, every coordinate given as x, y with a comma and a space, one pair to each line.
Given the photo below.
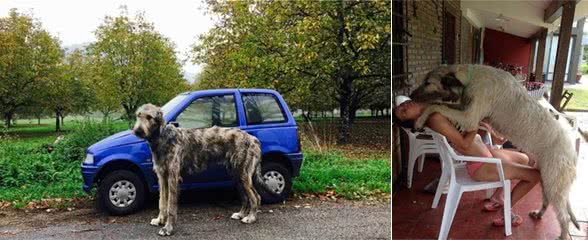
138, 133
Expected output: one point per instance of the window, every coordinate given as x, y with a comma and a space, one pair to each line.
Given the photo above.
209, 111
262, 108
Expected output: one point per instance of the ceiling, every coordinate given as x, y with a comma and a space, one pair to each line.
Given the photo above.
520, 18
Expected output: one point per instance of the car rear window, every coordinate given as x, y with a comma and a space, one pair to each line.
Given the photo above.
262, 108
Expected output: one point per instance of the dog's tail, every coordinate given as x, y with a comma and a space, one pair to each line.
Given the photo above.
257, 178
572, 216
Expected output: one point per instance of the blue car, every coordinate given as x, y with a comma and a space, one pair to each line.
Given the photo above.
120, 166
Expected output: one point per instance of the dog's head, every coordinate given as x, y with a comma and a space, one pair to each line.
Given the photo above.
440, 85
149, 120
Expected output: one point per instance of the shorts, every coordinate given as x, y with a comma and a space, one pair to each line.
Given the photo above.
472, 167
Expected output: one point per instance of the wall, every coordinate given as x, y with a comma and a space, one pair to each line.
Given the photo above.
506, 48
423, 51
425, 23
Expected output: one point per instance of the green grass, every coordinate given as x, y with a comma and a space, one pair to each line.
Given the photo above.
351, 179
28, 172
579, 101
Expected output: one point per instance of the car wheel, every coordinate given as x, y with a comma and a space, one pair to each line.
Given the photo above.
121, 192
278, 179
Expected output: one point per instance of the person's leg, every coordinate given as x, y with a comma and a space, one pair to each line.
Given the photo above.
510, 156
529, 177
506, 156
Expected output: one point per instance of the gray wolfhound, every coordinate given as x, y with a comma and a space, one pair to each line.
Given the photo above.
176, 151
466, 94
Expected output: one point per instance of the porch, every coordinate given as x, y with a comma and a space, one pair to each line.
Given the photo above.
413, 217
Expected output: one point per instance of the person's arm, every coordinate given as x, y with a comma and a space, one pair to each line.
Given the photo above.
497, 138
442, 125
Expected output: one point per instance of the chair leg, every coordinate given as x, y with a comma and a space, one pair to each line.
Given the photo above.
421, 162
490, 192
507, 209
449, 212
440, 187
411, 162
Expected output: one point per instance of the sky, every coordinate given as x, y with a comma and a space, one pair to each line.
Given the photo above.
73, 22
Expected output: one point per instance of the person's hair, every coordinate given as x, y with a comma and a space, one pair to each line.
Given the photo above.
403, 123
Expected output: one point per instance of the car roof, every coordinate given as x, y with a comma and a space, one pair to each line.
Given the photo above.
230, 90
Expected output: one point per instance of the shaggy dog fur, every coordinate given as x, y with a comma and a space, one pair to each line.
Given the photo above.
493, 93
176, 151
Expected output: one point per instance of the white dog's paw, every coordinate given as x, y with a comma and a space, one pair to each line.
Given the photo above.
156, 222
248, 219
165, 231
537, 214
237, 216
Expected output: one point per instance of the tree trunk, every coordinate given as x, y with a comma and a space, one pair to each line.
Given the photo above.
62, 119
57, 125
8, 119
345, 89
39, 120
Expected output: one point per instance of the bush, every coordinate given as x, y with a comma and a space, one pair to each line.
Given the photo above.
84, 134
584, 69
29, 172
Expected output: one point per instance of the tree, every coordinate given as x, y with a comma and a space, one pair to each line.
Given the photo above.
304, 49
135, 64
29, 58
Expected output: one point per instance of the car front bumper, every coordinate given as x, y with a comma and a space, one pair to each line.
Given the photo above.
88, 174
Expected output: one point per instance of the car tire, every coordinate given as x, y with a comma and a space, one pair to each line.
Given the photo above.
121, 192
278, 178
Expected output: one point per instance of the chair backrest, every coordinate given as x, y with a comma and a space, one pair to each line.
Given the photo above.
446, 153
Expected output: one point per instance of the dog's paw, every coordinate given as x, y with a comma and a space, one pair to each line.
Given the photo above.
157, 222
165, 231
237, 216
248, 219
537, 214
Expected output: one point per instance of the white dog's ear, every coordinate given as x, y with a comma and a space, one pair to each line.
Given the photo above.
450, 80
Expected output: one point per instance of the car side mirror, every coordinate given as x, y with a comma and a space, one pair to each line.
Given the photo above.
176, 124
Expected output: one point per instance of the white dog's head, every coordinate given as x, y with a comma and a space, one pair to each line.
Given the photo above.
439, 86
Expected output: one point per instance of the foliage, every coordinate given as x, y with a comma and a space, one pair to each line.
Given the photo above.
349, 178
134, 63
29, 61
83, 135
584, 68
316, 53
30, 172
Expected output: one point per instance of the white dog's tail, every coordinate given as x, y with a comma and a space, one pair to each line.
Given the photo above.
572, 216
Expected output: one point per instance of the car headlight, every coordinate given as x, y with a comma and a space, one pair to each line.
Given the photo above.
89, 159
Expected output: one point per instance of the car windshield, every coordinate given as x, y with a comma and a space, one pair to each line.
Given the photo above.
173, 103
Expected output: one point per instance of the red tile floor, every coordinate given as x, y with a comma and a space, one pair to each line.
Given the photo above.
413, 217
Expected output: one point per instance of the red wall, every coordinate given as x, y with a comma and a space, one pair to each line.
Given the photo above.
506, 48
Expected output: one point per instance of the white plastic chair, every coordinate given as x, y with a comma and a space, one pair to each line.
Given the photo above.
418, 148
460, 182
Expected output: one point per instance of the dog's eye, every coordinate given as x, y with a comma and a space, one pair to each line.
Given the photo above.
148, 117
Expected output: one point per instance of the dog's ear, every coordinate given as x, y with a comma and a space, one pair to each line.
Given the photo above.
159, 116
450, 80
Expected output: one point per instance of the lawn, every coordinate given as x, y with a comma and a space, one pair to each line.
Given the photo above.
30, 172
579, 101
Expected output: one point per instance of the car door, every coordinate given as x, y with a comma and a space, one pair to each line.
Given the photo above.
204, 112
267, 120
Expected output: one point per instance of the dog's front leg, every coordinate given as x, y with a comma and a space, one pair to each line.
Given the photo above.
173, 180
163, 196
463, 118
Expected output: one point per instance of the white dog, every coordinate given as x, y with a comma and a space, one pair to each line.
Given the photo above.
466, 94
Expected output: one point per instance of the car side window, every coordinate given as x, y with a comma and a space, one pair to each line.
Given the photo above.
209, 111
262, 108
